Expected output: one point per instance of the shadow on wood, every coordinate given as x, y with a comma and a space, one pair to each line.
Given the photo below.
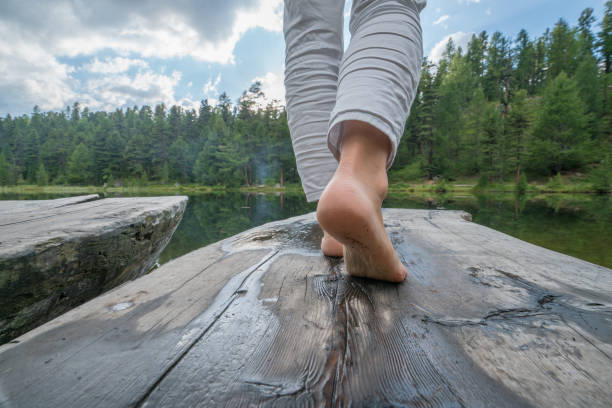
263, 318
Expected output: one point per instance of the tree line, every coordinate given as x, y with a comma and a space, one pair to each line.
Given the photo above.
505, 107
499, 110
223, 144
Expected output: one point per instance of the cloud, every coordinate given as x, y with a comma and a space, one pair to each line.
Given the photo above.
113, 65
205, 30
460, 38
144, 88
273, 86
468, 1
35, 35
441, 19
210, 87
30, 75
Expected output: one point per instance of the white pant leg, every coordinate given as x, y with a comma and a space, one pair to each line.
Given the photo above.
313, 50
380, 71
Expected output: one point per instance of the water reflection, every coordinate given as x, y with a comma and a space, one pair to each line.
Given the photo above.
211, 217
576, 225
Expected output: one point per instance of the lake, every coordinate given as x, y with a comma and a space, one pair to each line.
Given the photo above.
574, 225
577, 225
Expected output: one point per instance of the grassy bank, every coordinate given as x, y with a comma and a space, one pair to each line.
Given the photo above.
144, 189
466, 186
555, 185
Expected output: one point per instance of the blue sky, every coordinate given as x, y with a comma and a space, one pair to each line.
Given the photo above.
112, 54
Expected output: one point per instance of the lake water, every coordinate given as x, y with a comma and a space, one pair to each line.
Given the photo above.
577, 225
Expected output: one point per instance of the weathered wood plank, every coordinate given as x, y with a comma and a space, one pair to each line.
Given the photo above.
125, 338
56, 254
482, 320
13, 211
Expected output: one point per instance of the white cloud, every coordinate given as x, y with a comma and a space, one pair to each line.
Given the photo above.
30, 75
112, 91
273, 86
468, 1
113, 65
210, 87
207, 31
460, 38
35, 35
488, 12
441, 19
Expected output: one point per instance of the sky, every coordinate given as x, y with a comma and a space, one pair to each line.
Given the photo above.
113, 54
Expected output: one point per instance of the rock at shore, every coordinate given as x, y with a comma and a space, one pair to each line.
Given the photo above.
57, 254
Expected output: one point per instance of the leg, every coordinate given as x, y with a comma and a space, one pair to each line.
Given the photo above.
313, 38
378, 79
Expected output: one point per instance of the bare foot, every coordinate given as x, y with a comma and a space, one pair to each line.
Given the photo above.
330, 246
350, 207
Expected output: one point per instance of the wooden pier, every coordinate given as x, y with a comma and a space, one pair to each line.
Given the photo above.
263, 318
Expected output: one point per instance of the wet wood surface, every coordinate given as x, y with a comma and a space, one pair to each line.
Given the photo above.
56, 254
263, 318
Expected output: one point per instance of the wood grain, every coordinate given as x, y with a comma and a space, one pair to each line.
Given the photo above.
483, 320
57, 254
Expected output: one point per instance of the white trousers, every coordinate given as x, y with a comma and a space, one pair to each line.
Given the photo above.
375, 81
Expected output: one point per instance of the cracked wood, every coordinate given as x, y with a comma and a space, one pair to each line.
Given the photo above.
264, 319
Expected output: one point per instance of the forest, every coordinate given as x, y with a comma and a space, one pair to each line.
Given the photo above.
502, 110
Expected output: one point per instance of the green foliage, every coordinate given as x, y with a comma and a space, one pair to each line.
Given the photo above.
539, 106
521, 187
441, 186
42, 177
165, 174
143, 180
561, 124
555, 182
500, 109
483, 181
412, 172
601, 176
80, 165
6, 172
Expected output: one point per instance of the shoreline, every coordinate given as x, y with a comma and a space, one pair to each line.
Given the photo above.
418, 188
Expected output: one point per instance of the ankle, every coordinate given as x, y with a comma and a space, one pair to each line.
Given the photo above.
364, 155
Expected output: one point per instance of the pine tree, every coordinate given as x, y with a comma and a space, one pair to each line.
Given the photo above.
562, 52
161, 139
490, 143
560, 125
525, 62
30, 154
42, 177
473, 133
427, 132
6, 173
136, 155
80, 165
179, 161
518, 125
